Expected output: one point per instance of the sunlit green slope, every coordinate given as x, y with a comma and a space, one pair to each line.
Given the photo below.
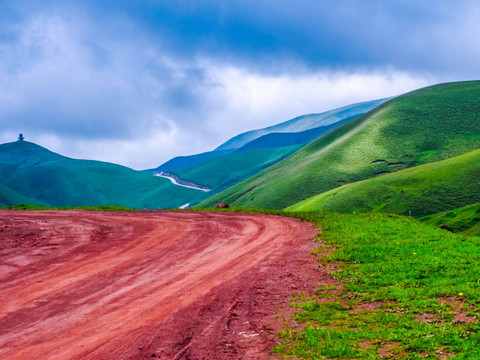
229, 169
418, 191
420, 127
465, 219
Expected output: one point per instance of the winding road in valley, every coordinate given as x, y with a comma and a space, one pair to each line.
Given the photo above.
148, 284
175, 180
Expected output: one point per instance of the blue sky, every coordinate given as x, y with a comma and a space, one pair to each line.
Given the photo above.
138, 82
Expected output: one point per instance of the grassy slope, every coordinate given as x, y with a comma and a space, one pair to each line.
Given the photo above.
227, 170
417, 279
183, 162
465, 219
422, 190
423, 126
10, 197
52, 179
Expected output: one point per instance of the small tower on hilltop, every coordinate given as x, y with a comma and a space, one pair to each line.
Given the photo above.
20, 137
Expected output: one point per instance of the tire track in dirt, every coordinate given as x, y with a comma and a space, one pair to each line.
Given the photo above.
185, 285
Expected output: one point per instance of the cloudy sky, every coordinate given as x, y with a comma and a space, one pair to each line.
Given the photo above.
139, 82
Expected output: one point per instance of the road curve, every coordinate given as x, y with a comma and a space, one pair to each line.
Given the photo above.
175, 180
138, 285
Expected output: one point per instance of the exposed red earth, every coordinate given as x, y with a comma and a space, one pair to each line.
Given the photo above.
138, 285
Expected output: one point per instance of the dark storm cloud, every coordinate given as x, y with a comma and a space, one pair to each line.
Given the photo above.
409, 35
406, 34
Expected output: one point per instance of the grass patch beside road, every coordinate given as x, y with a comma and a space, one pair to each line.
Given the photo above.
408, 291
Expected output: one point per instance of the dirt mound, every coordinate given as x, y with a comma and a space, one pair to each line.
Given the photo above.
138, 285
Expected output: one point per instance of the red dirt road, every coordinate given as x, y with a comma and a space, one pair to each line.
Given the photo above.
138, 285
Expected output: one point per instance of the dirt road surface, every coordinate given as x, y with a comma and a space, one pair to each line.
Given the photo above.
149, 284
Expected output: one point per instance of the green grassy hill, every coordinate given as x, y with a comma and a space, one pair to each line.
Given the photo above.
420, 127
10, 197
465, 219
183, 162
33, 174
419, 191
229, 169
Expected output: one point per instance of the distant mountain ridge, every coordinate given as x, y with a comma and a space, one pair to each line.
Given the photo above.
302, 123
271, 140
183, 162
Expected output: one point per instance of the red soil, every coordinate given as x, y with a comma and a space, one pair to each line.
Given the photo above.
171, 285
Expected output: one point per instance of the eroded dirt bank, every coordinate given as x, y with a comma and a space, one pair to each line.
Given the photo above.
171, 285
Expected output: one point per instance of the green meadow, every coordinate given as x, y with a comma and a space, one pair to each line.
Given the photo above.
403, 290
465, 220
396, 288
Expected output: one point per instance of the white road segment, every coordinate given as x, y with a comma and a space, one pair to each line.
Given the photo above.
175, 182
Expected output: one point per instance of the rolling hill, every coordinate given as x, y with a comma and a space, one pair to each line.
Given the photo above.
418, 191
465, 219
229, 169
33, 174
183, 162
228, 165
274, 167
424, 126
10, 197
